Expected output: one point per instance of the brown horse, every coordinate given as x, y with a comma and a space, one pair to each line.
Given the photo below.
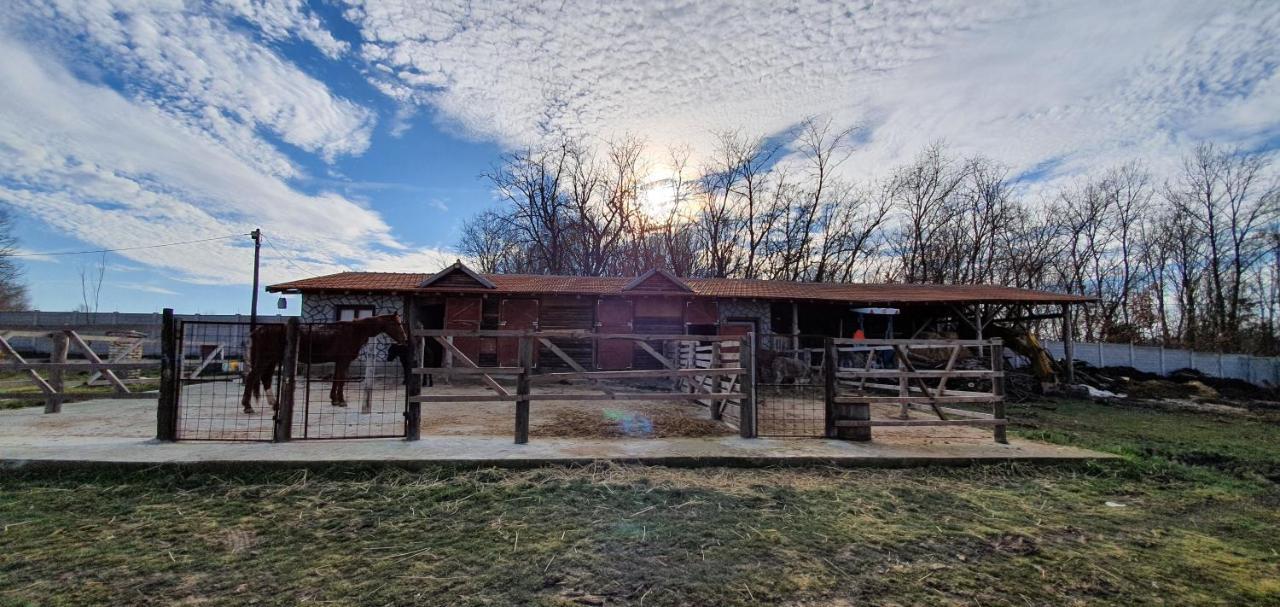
338, 343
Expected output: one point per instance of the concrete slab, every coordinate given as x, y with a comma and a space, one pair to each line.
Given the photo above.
117, 433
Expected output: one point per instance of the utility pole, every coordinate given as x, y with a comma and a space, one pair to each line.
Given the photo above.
256, 235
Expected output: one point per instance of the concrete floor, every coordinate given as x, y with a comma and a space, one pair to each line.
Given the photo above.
120, 431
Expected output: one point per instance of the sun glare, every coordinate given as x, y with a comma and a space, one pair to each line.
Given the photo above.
659, 195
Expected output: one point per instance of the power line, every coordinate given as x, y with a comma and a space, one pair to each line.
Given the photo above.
152, 246
288, 259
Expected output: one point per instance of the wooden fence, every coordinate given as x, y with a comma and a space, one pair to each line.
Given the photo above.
52, 376
851, 390
701, 385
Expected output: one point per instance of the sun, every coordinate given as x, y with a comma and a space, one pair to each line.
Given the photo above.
658, 194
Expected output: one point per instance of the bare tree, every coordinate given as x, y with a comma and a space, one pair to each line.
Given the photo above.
13, 293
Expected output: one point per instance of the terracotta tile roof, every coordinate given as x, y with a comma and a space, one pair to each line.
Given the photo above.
707, 287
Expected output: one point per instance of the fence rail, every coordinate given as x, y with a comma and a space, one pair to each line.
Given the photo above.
55, 388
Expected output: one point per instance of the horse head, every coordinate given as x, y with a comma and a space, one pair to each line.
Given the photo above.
391, 325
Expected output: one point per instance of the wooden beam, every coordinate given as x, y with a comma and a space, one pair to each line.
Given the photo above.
78, 367
470, 363
484, 398
908, 423
522, 390
93, 357
12, 353
119, 357
568, 360
53, 404
170, 373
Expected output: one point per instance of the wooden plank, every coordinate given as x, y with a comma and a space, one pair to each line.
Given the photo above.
48, 329
74, 396
829, 387
445, 371
283, 422
468, 362
119, 357
635, 374
916, 343
953, 412
951, 369
485, 398
78, 366
906, 361
997, 390
93, 357
573, 334
895, 373
747, 427
656, 355
413, 383
851, 423
716, 406
12, 353
53, 402
568, 360
522, 390
170, 371
914, 399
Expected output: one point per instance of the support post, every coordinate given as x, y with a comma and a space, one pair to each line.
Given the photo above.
829, 368
1068, 349
413, 382
522, 390
747, 406
283, 431
170, 370
717, 406
997, 389
57, 377
256, 235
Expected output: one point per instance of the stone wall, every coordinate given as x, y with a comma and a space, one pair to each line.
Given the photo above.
758, 310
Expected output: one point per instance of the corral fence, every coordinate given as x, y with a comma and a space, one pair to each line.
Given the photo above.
714, 370
59, 378
301, 390
773, 386
817, 386
1258, 370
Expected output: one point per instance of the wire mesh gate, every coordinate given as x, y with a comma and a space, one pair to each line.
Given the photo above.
355, 392
790, 396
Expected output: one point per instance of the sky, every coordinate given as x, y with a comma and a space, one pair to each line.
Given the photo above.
355, 134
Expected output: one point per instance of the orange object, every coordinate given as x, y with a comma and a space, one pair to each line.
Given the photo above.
859, 335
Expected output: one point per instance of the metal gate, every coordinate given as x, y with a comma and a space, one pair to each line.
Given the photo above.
790, 389
364, 398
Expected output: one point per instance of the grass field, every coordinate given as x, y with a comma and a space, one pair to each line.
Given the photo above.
1189, 516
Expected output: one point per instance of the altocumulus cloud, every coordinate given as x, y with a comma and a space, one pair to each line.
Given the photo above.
1084, 83
174, 154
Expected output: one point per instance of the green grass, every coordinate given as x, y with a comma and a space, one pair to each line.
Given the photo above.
1195, 520
19, 382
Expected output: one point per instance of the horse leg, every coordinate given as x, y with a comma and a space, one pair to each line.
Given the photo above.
250, 390
337, 391
266, 387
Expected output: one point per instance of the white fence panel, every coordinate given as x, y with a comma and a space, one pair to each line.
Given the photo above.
1256, 369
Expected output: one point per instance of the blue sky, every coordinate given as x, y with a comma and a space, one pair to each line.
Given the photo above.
354, 134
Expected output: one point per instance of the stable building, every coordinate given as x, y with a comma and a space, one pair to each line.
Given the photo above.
782, 314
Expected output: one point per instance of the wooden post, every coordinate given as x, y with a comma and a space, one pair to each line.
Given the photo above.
288, 382
747, 406
522, 390
829, 368
413, 383
904, 388
1068, 349
717, 406
57, 377
170, 370
997, 388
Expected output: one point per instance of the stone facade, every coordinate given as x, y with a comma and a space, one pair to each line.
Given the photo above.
757, 310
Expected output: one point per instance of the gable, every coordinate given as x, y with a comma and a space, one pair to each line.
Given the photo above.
457, 276
657, 281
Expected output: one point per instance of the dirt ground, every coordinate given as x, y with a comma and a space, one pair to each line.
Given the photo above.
212, 411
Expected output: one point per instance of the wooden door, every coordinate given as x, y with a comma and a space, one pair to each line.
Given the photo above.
463, 314
614, 316
515, 315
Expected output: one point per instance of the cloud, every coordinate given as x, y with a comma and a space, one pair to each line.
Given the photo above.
143, 287
1088, 83
114, 172
199, 67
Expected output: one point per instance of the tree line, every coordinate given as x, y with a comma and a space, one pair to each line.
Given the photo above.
1185, 260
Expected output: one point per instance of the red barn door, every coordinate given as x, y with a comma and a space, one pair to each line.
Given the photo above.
614, 316
463, 314
515, 315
